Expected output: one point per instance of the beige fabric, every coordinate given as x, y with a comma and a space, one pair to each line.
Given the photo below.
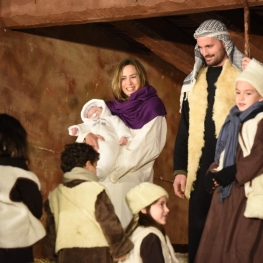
135, 164
137, 237
19, 227
77, 228
253, 189
224, 101
145, 147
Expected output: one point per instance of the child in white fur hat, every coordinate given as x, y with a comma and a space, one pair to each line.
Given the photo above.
234, 227
98, 119
148, 204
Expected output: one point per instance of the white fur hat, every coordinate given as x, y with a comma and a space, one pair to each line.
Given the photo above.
143, 195
253, 74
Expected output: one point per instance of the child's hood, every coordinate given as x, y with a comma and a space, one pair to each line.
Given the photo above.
94, 103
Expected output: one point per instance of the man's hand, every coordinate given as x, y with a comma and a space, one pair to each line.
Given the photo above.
92, 140
245, 61
179, 185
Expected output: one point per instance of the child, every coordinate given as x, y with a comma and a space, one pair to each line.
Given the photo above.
98, 119
20, 196
147, 203
81, 223
233, 230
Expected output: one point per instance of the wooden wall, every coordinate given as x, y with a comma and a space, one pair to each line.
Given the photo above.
46, 76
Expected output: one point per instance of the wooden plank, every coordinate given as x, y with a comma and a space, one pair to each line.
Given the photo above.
41, 13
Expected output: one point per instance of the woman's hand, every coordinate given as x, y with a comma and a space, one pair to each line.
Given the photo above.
92, 140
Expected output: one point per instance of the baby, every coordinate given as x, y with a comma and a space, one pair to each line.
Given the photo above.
98, 119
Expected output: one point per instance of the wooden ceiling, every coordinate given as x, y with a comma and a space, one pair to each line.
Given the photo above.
164, 27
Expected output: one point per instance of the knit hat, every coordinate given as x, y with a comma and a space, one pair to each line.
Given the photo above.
89, 107
253, 74
143, 195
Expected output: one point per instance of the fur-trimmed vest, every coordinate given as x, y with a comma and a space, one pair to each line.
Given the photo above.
224, 101
137, 237
80, 200
253, 189
19, 227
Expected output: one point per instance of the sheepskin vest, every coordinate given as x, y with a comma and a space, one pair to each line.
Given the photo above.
137, 237
224, 101
74, 212
19, 227
253, 189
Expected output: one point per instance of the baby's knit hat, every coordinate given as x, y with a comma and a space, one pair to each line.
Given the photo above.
253, 74
89, 107
143, 195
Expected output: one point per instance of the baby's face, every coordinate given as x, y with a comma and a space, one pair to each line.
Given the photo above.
94, 113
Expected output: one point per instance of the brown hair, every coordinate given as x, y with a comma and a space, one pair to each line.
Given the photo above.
117, 77
144, 220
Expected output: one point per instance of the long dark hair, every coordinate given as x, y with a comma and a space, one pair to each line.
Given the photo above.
13, 138
145, 220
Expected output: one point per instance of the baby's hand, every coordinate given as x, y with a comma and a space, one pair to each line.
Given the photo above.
123, 141
74, 131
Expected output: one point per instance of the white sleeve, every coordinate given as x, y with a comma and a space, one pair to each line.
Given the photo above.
145, 147
120, 128
83, 130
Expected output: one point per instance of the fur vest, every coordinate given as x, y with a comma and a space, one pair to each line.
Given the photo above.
80, 201
224, 101
253, 189
19, 227
137, 237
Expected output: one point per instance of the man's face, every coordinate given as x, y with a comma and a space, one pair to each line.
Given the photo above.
213, 51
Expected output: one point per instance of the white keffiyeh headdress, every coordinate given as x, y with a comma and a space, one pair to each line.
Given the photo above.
218, 30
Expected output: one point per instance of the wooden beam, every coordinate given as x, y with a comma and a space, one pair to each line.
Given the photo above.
41, 13
180, 55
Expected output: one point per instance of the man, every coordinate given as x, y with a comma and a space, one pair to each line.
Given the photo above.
208, 94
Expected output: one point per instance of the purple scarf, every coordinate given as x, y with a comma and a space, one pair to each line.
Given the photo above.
143, 106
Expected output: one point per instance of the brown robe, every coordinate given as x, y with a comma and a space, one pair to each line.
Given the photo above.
228, 236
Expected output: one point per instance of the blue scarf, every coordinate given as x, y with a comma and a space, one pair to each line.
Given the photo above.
228, 140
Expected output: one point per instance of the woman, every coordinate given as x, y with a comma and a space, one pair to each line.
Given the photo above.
139, 107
